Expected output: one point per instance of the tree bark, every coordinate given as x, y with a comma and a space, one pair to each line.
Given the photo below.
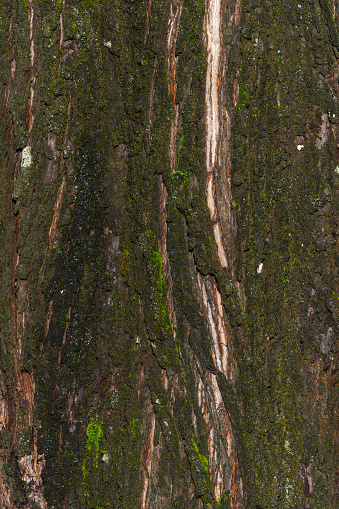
169, 254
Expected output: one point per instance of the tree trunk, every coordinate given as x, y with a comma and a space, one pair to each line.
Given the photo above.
169, 263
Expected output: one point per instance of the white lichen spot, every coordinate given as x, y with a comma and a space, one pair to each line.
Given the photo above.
326, 341
259, 269
300, 147
337, 170
288, 445
105, 458
26, 157
108, 44
114, 398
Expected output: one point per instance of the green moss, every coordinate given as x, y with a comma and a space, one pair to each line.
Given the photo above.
202, 459
6, 439
225, 501
156, 257
125, 262
134, 427
94, 434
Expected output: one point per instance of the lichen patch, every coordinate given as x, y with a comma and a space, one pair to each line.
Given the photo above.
26, 157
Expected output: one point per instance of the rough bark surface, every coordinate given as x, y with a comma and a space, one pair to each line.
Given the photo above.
169, 211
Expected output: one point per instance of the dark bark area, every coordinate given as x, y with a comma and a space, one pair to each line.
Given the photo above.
169, 254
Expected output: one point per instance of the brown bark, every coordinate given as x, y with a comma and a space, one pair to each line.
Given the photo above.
168, 254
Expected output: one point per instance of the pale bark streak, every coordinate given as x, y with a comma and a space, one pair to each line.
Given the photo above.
219, 241
213, 128
3, 413
148, 15
147, 460
218, 165
32, 102
222, 333
212, 22
323, 132
172, 34
210, 191
52, 230
212, 326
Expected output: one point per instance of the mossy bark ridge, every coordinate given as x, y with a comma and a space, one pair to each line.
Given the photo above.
169, 260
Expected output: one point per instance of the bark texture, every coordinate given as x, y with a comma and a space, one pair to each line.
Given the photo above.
169, 211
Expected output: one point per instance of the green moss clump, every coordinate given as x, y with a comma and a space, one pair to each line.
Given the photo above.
94, 434
156, 257
225, 502
203, 460
125, 262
